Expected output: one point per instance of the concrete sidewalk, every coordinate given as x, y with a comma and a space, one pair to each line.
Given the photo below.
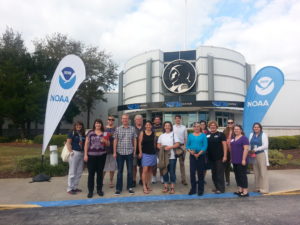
20, 191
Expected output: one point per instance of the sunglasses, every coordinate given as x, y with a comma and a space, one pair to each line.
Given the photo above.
230, 123
111, 119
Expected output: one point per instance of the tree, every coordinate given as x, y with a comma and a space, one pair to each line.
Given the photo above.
100, 69
101, 76
21, 90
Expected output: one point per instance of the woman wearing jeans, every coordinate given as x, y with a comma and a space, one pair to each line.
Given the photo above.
239, 151
196, 145
170, 141
75, 144
95, 156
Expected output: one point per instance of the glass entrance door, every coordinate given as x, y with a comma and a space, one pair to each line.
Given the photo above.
222, 121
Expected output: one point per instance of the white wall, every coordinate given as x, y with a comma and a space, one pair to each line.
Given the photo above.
285, 110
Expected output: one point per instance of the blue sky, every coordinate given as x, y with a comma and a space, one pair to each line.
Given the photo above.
266, 32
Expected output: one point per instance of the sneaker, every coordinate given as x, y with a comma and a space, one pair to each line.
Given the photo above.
90, 195
242, 195
100, 193
134, 183
131, 191
184, 182
200, 193
154, 180
161, 180
140, 182
117, 192
192, 192
72, 192
77, 190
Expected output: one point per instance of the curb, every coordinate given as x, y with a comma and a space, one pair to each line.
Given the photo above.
285, 192
18, 206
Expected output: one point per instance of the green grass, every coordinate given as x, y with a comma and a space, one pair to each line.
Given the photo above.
9, 156
14, 159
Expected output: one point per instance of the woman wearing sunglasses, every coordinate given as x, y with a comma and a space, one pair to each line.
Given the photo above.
110, 163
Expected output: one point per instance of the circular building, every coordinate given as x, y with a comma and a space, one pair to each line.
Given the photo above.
203, 84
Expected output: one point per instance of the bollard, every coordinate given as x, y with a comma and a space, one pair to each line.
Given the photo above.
53, 155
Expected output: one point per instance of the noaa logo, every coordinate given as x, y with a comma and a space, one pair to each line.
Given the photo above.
67, 78
179, 76
264, 86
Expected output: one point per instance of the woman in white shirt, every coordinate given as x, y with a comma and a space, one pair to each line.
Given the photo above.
170, 141
259, 144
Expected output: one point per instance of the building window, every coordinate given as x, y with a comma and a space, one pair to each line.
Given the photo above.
222, 118
187, 118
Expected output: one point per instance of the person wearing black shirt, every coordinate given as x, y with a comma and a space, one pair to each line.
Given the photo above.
217, 155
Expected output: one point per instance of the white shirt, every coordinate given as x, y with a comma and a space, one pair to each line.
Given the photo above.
168, 139
181, 132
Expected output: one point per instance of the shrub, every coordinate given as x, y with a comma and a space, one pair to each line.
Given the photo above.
277, 158
284, 142
34, 166
58, 140
38, 139
4, 139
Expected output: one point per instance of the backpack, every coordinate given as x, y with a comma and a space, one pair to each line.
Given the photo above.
40, 178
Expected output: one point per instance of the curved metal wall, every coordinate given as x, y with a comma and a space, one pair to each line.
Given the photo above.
228, 69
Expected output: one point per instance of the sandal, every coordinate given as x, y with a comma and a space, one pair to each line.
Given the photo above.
148, 188
146, 191
172, 191
165, 190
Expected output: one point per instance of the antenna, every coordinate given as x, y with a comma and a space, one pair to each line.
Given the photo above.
185, 24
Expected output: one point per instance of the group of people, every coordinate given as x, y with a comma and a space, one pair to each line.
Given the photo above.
151, 146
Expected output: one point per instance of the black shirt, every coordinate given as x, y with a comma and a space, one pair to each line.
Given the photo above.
215, 146
148, 146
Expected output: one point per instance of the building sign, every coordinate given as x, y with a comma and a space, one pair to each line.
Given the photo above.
176, 104
179, 76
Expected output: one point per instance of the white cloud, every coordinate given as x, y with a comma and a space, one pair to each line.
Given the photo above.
124, 28
271, 37
157, 25
128, 27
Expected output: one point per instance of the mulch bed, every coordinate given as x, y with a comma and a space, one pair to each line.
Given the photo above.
23, 145
14, 175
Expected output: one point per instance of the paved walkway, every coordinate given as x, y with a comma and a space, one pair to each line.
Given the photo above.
20, 191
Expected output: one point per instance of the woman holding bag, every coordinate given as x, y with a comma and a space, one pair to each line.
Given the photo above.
167, 142
95, 156
259, 145
75, 144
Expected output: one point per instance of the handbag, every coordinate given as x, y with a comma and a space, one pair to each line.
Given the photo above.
65, 154
178, 151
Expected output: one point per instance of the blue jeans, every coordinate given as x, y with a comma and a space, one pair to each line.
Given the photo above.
129, 164
170, 176
197, 165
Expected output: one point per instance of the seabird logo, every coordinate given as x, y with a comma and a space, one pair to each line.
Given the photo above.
264, 86
179, 76
67, 78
